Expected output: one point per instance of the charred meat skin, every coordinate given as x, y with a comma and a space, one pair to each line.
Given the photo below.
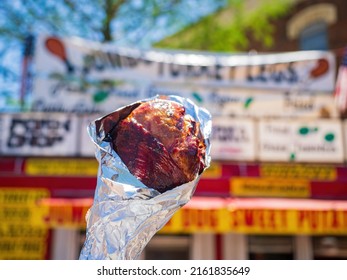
160, 144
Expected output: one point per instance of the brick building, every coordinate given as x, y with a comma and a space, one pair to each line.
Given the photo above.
310, 25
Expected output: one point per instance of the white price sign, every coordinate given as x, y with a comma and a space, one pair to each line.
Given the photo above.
233, 139
317, 140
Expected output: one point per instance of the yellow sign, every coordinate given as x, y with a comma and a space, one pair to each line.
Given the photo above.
214, 171
13, 196
20, 205
22, 231
298, 171
23, 234
227, 218
22, 248
22, 215
258, 221
196, 220
61, 167
269, 187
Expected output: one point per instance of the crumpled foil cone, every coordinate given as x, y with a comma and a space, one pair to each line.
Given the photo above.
125, 213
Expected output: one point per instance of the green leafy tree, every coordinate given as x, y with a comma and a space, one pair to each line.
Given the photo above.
230, 28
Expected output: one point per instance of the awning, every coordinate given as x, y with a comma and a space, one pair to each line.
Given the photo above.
226, 215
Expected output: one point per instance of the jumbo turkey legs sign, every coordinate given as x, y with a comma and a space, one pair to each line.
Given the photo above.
74, 75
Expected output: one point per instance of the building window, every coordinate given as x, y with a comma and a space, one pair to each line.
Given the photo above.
314, 37
168, 247
265, 247
310, 26
330, 247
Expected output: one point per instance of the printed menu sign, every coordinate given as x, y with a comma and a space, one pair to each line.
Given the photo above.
23, 234
233, 139
300, 140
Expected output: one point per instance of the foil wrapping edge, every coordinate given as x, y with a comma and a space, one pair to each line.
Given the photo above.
125, 213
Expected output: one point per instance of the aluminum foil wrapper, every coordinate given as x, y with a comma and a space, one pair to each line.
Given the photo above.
125, 213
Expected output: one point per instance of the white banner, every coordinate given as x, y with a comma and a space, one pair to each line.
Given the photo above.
81, 76
71, 96
241, 102
38, 134
220, 101
303, 141
233, 139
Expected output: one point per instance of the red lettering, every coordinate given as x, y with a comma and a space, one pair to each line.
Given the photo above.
214, 218
200, 218
47, 219
261, 218
325, 219
335, 222
284, 218
302, 215
314, 219
272, 219
186, 218
233, 219
249, 217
